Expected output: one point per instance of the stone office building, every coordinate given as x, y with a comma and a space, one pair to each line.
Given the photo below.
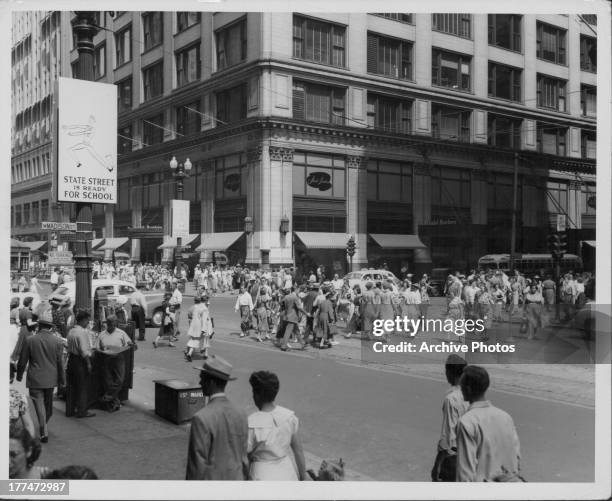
403, 130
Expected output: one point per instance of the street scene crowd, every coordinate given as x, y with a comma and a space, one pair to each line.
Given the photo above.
54, 345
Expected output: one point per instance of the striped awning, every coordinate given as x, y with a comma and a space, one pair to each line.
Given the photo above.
171, 243
322, 240
218, 241
96, 242
388, 241
113, 243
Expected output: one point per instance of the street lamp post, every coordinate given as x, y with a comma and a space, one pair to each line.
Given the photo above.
180, 172
84, 28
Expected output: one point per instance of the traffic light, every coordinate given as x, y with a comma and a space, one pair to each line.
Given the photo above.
557, 244
350, 246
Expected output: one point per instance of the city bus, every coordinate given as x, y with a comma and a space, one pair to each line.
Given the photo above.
530, 264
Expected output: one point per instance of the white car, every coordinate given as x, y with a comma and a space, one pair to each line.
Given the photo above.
362, 277
114, 289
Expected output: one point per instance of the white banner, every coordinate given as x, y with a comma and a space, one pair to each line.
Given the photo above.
179, 210
86, 141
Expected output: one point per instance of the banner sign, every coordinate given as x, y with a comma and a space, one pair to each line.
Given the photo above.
179, 212
86, 141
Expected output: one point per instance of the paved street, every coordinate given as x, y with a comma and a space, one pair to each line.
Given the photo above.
383, 421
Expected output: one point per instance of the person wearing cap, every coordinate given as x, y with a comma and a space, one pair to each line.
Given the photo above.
219, 432
453, 407
488, 448
42, 355
79, 364
110, 341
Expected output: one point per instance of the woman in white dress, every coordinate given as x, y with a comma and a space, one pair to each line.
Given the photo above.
274, 448
200, 328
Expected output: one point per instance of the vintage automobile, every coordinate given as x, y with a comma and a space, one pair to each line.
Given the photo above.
362, 277
114, 289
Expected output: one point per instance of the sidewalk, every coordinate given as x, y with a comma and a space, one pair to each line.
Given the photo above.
132, 444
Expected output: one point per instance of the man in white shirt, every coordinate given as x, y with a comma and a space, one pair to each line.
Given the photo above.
488, 448
175, 302
54, 278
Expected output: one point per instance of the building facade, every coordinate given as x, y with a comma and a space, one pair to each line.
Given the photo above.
404, 130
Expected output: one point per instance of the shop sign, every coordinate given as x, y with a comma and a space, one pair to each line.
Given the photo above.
86, 141
319, 180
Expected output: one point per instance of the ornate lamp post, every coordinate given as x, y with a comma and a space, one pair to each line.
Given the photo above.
84, 28
180, 171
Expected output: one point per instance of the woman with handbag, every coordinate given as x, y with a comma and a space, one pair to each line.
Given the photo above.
166, 329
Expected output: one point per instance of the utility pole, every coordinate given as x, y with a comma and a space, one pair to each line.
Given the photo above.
84, 28
514, 211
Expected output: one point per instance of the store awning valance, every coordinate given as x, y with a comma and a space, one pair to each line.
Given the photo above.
322, 240
218, 241
16, 244
171, 244
96, 242
36, 246
112, 243
388, 241
592, 243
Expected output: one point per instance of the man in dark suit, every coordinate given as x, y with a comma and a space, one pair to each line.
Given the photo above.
291, 306
42, 354
219, 431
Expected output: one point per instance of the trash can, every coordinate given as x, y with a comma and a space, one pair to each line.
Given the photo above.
176, 400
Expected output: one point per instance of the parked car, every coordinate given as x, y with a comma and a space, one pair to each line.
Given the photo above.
114, 289
437, 281
362, 277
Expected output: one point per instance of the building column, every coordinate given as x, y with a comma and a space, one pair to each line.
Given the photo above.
276, 168
479, 216
255, 199
109, 228
207, 208
574, 206
421, 214
136, 202
357, 207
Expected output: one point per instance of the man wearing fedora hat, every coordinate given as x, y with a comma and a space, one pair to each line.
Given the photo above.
219, 431
42, 354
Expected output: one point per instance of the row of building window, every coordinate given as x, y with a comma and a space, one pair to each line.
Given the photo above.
326, 105
324, 43
32, 168
29, 213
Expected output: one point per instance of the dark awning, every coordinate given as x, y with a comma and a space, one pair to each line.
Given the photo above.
388, 241
322, 240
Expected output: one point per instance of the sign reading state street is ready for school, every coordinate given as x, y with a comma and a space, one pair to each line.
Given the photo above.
86, 141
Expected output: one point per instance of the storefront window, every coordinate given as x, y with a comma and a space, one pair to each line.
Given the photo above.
318, 176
